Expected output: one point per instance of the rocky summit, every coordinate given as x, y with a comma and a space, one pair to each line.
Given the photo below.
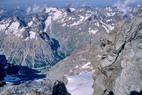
85, 51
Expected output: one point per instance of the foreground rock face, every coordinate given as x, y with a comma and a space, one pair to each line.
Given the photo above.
120, 72
29, 88
36, 87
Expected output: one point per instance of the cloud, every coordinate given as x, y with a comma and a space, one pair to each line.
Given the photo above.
123, 6
35, 9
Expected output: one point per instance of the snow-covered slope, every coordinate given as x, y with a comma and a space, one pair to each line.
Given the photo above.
80, 84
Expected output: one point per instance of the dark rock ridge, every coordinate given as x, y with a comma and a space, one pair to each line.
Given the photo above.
59, 88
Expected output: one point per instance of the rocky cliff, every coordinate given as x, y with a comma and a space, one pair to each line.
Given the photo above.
120, 71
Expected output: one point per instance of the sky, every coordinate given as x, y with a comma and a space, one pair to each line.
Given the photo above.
61, 3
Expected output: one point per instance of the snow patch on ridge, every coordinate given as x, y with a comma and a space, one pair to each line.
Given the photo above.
30, 23
54, 12
78, 22
107, 27
13, 29
93, 31
14, 26
3, 26
85, 66
32, 35
48, 22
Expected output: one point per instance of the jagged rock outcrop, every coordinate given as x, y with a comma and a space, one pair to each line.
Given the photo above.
120, 71
59, 88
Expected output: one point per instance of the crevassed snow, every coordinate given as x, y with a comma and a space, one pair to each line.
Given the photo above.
80, 84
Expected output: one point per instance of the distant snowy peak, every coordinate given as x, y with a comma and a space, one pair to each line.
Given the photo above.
98, 19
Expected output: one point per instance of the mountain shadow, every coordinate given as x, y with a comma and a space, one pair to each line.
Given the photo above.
16, 74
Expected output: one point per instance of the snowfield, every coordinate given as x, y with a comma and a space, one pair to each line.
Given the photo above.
80, 84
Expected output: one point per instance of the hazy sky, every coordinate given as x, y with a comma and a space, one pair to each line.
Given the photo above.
60, 3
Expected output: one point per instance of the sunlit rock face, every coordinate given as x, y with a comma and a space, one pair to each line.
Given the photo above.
121, 74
